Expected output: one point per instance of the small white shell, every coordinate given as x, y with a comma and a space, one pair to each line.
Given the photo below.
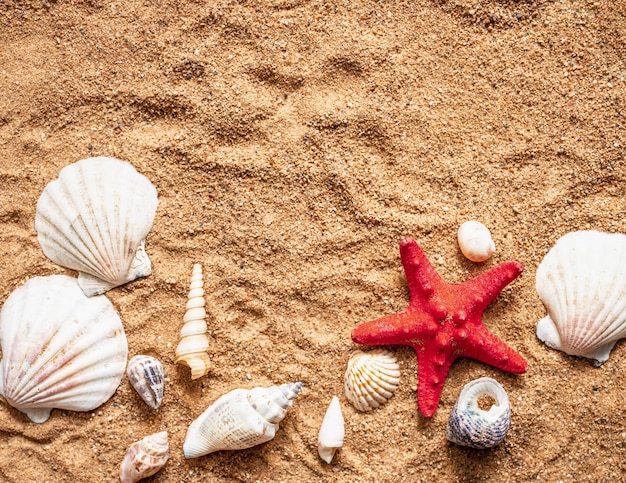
146, 375
371, 378
582, 283
240, 419
144, 458
332, 432
475, 241
194, 343
60, 348
95, 218
474, 427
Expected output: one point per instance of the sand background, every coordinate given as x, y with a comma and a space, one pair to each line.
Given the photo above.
293, 144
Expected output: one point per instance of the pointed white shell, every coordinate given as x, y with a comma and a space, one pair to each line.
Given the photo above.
371, 378
194, 343
332, 432
146, 375
475, 241
240, 419
60, 348
474, 427
144, 458
95, 218
582, 283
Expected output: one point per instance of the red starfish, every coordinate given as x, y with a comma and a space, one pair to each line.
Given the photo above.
443, 322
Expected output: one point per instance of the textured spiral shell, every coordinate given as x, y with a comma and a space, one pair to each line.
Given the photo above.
582, 283
95, 218
475, 241
194, 343
146, 375
371, 378
60, 348
474, 427
144, 458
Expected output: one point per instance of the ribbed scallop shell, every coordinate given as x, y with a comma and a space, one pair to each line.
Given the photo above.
240, 419
144, 458
194, 343
371, 378
475, 241
146, 375
60, 348
332, 431
474, 427
582, 283
95, 218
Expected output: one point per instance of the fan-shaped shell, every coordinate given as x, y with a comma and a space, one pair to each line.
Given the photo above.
475, 241
582, 283
95, 218
240, 419
478, 428
144, 458
332, 431
60, 348
146, 375
371, 378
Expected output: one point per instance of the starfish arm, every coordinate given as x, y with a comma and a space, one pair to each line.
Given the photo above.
481, 344
430, 380
400, 328
480, 291
421, 277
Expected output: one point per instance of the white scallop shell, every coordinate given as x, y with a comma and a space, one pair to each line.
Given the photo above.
146, 375
144, 458
240, 419
478, 428
332, 431
582, 283
60, 348
371, 378
194, 343
475, 241
95, 218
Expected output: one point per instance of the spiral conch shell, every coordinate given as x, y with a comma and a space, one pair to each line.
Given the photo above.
144, 458
474, 427
475, 241
371, 378
146, 376
332, 432
194, 343
240, 419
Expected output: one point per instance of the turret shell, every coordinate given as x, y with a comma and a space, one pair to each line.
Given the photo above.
475, 241
146, 375
371, 378
144, 458
60, 348
95, 218
332, 431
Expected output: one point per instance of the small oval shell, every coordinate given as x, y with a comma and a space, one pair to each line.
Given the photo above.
95, 218
582, 282
146, 375
144, 458
240, 419
475, 241
371, 378
332, 432
60, 348
474, 427
194, 343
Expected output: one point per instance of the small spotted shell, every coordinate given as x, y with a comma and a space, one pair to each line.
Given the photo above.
475, 241
144, 458
371, 378
474, 427
146, 376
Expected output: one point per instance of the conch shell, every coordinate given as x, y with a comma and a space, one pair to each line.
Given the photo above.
144, 458
194, 343
332, 432
146, 376
240, 419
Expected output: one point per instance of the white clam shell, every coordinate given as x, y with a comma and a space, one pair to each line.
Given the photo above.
144, 458
95, 218
146, 375
194, 343
240, 419
477, 428
582, 283
332, 431
475, 241
60, 348
371, 378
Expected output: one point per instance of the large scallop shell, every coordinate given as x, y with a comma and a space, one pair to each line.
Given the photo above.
582, 283
371, 378
478, 428
332, 431
144, 458
146, 375
240, 419
60, 348
95, 218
